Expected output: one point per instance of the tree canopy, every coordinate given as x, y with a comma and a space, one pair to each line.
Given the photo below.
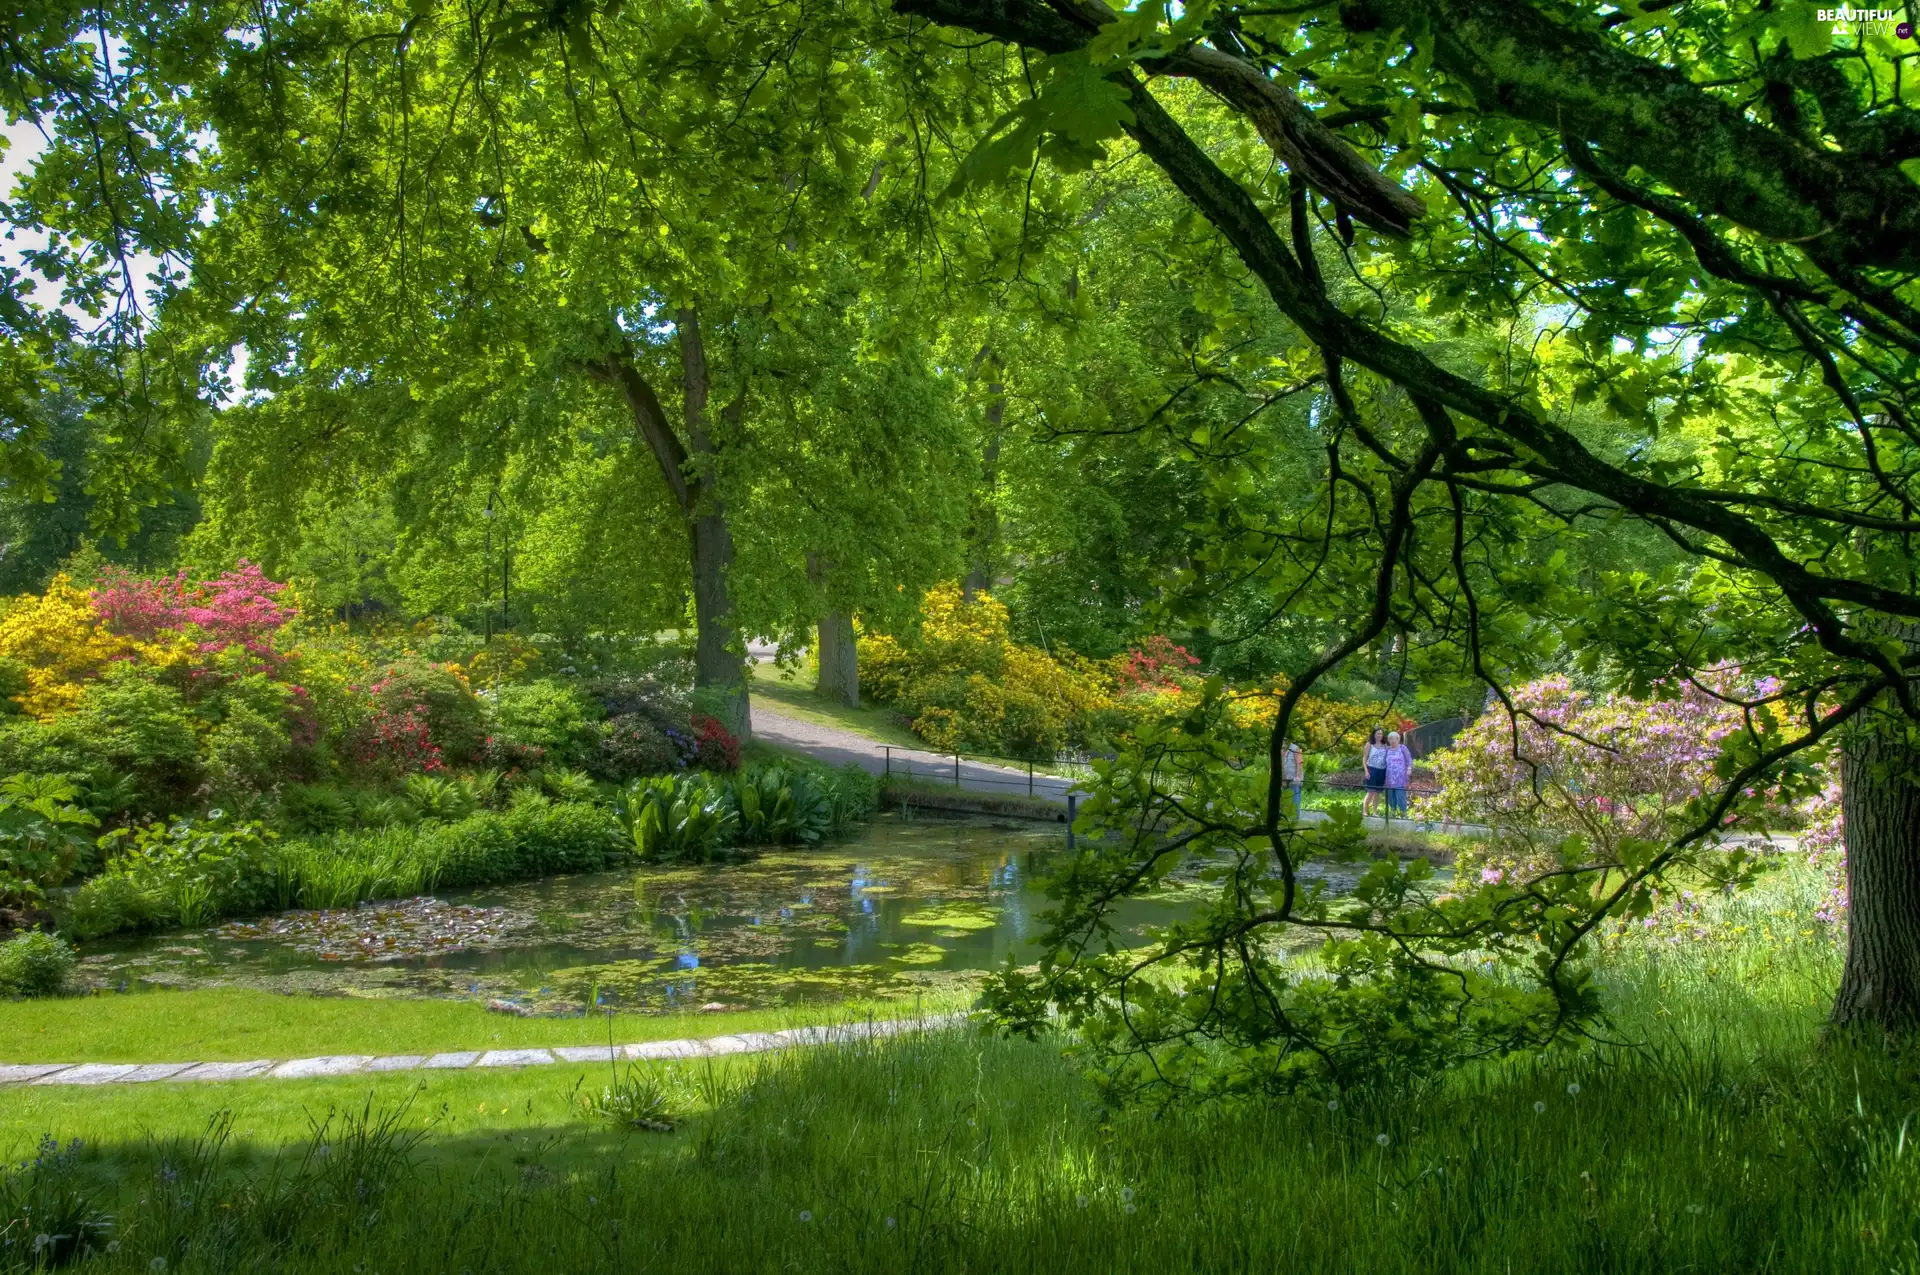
1463, 340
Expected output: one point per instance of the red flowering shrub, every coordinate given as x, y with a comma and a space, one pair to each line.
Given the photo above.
1155, 665
394, 737
714, 747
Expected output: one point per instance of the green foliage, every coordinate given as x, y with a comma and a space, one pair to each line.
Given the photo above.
43, 836
691, 816
456, 720
130, 723
247, 752
316, 808
697, 816
436, 797
34, 964
781, 807
546, 714
632, 746
186, 875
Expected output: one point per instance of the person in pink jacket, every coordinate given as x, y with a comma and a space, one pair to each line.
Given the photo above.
1399, 768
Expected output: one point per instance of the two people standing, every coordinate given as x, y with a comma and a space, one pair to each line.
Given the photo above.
1389, 766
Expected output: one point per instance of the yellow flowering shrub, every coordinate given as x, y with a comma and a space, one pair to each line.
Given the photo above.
967, 686
61, 643
1321, 725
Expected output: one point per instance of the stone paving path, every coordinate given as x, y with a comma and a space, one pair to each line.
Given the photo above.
365, 1064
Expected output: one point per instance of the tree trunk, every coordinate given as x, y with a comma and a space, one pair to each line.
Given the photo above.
834, 649
839, 665
1880, 802
719, 668
719, 664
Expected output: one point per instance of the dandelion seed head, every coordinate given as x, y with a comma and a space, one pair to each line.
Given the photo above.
157, 1264
1129, 1207
1080, 1200
890, 1224
1333, 1104
1573, 1089
1126, 1194
1539, 1107
806, 1215
1381, 1139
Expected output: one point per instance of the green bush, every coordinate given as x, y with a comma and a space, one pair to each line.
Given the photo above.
34, 964
131, 724
247, 752
456, 720
633, 746
185, 873
438, 798
548, 715
780, 807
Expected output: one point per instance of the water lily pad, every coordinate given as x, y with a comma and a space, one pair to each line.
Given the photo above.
957, 917
920, 954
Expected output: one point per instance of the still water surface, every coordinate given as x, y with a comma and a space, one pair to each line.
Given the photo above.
903, 906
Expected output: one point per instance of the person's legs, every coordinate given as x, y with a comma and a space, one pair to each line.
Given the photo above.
1397, 801
1298, 808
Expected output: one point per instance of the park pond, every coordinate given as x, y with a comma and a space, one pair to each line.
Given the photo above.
906, 906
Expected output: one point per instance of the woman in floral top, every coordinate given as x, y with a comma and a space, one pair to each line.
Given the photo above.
1399, 767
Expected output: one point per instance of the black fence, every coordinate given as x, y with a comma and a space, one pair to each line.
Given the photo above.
995, 773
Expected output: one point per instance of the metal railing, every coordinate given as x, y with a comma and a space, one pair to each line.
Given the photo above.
991, 772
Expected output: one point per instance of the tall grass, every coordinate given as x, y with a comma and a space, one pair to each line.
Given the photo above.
1712, 1130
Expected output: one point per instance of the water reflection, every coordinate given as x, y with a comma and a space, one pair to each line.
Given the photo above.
903, 906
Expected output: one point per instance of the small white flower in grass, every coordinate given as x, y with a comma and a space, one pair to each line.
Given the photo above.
1539, 1107
806, 1215
1381, 1139
1333, 1104
1126, 1195
891, 1224
1573, 1090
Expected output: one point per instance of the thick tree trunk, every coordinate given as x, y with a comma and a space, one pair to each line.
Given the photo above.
719, 668
1880, 800
839, 665
719, 664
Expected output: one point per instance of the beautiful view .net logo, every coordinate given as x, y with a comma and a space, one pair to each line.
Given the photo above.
1885, 21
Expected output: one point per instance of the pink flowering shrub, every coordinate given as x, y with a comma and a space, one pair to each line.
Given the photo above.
1156, 665
238, 608
1617, 768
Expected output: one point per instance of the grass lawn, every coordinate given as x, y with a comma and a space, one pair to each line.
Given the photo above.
1712, 1129
233, 1025
797, 698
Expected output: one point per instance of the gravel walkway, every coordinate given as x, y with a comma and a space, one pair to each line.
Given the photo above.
366, 1064
837, 747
